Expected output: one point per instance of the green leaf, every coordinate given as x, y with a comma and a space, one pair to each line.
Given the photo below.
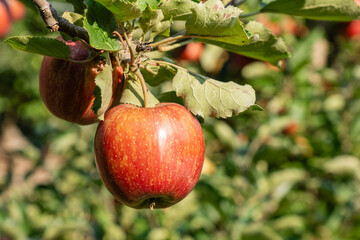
266, 47
103, 90
74, 18
256, 107
152, 21
40, 45
330, 10
100, 24
170, 97
211, 21
155, 73
214, 24
177, 9
79, 6
133, 94
123, 10
152, 3
207, 97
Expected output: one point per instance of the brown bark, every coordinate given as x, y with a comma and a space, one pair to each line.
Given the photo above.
55, 22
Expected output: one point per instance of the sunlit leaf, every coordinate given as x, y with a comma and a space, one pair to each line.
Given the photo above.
207, 97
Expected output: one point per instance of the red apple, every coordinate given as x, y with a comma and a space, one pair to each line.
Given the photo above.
5, 20
192, 51
353, 30
67, 87
291, 129
149, 157
17, 9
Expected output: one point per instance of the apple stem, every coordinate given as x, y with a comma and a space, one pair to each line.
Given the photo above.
143, 86
128, 44
152, 205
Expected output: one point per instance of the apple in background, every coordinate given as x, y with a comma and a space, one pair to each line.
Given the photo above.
5, 20
353, 30
149, 157
291, 129
17, 9
192, 52
67, 88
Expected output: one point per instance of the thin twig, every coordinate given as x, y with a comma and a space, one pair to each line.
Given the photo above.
249, 14
116, 33
168, 40
132, 55
173, 46
55, 22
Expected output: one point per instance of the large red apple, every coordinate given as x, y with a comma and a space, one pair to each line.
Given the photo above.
149, 157
67, 87
5, 20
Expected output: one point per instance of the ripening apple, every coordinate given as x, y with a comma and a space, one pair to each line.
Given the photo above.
291, 129
17, 9
5, 20
192, 51
67, 87
352, 31
149, 157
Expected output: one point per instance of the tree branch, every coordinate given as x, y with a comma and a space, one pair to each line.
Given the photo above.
55, 22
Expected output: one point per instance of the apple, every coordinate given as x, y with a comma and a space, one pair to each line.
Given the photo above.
352, 31
17, 9
5, 20
66, 87
192, 52
291, 129
149, 157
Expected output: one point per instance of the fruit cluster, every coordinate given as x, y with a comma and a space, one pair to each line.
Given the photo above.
147, 157
10, 10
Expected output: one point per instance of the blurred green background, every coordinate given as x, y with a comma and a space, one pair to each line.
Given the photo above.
291, 171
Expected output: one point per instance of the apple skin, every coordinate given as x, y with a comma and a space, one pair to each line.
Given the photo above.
66, 88
5, 20
149, 157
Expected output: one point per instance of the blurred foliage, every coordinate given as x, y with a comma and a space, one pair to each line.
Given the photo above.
289, 172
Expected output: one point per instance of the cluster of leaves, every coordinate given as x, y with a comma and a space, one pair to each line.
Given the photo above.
209, 22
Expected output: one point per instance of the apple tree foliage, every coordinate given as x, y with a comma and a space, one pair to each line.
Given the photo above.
145, 26
148, 23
